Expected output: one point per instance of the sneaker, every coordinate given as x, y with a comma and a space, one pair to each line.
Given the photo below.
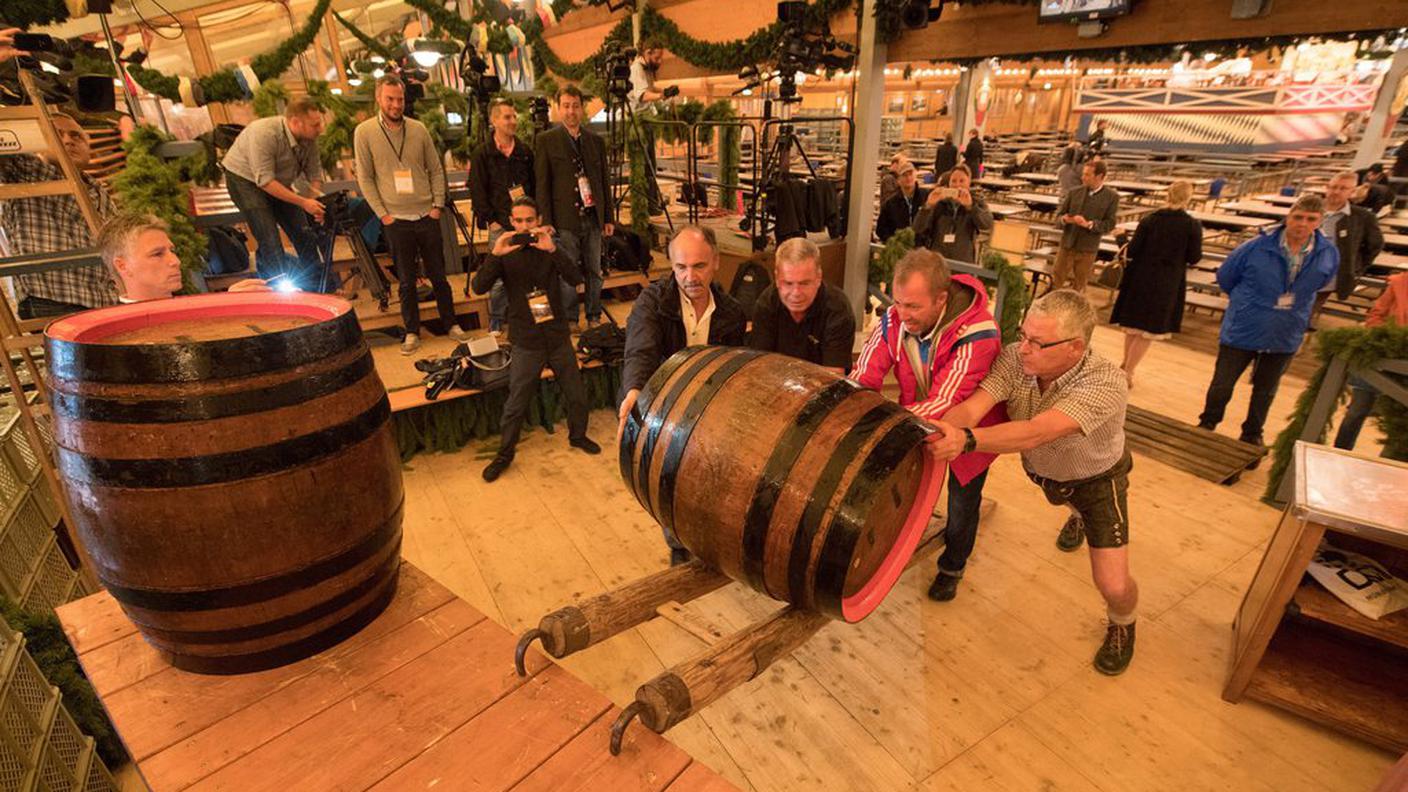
458, 333
1072, 535
497, 467
410, 343
586, 444
1118, 649
679, 555
944, 587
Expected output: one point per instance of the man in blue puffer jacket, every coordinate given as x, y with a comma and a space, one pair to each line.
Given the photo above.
1271, 282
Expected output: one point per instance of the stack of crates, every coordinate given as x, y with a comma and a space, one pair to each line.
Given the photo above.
33, 571
41, 750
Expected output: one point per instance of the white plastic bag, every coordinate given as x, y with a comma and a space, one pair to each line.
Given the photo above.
1358, 581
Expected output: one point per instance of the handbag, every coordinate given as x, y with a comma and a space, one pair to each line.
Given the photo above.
1113, 273
484, 365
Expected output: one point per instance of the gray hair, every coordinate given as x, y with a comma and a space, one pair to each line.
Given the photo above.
1071, 309
796, 251
706, 234
117, 235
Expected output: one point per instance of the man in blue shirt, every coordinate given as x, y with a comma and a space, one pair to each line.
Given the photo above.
1271, 282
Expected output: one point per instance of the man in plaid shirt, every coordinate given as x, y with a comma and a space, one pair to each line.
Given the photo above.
52, 223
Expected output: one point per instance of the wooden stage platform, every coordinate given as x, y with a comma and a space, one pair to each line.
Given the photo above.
425, 697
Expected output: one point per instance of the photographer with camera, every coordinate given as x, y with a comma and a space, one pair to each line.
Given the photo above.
400, 175
500, 172
642, 93
532, 269
263, 169
53, 223
953, 218
573, 196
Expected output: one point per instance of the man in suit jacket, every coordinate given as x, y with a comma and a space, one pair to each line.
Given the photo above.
573, 196
1354, 230
973, 153
946, 157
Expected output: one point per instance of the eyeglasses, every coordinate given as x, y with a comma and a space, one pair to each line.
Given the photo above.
1023, 339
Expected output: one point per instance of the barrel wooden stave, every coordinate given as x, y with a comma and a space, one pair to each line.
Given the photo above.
261, 522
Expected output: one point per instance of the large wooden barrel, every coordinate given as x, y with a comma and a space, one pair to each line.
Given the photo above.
783, 475
230, 465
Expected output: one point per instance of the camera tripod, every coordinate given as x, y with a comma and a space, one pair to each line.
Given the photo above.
777, 168
339, 220
618, 134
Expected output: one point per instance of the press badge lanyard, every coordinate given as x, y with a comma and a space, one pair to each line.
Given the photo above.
404, 183
301, 159
1288, 300
584, 185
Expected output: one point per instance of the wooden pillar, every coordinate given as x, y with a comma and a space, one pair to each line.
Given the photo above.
860, 197
1377, 130
201, 58
335, 48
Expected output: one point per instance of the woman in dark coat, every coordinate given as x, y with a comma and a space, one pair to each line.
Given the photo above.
1150, 303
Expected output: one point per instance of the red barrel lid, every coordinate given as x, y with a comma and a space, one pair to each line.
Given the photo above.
108, 325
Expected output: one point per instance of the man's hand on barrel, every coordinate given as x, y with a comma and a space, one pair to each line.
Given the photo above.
626, 405
947, 440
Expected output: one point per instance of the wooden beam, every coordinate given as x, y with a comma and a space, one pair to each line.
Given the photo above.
201, 59
968, 31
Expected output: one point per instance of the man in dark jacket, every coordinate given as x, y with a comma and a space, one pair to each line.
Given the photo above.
947, 156
500, 172
952, 219
1087, 213
532, 275
899, 211
801, 315
1355, 232
1271, 282
572, 194
973, 153
686, 309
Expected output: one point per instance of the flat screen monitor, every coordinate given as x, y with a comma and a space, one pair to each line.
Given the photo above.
1081, 10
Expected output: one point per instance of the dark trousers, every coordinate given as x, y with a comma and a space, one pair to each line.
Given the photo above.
961, 530
415, 241
1362, 396
524, 375
35, 307
265, 215
1267, 368
583, 248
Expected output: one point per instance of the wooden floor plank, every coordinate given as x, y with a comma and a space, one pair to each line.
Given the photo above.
102, 623
647, 762
993, 764
698, 778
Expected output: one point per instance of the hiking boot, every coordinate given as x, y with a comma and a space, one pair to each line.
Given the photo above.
1072, 535
944, 587
1118, 649
497, 467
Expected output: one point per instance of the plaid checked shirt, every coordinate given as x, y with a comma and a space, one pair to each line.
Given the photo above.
53, 224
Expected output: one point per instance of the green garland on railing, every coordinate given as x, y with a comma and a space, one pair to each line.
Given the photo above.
1361, 347
149, 184
727, 139
372, 45
445, 427
1015, 295
882, 265
222, 86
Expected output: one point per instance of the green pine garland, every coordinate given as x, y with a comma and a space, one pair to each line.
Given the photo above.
1361, 347
372, 45
222, 86
149, 184
882, 265
269, 98
445, 427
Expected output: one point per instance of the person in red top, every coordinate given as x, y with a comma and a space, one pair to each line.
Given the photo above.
1390, 308
939, 339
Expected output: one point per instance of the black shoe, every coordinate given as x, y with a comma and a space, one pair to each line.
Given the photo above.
1072, 535
497, 467
1207, 426
1118, 649
586, 444
944, 587
679, 555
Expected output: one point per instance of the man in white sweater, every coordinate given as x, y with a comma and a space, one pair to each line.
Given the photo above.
400, 175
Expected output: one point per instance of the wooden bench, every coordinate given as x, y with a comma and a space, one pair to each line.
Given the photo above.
1211, 303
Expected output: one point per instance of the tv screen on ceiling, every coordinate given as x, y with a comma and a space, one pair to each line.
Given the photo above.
1081, 10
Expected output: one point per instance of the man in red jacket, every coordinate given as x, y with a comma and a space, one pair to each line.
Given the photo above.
939, 339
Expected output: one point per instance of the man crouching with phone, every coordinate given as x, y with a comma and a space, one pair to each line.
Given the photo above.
533, 269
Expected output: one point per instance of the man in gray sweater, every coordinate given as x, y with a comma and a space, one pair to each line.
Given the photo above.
1087, 213
400, 175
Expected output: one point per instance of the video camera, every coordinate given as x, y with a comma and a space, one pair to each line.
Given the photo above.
479, 83
538, 112
50, 62
616, 70
337, 210
806, 45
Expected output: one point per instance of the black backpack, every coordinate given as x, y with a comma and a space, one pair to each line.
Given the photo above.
228, 251
625, 251
749, 283
605, 343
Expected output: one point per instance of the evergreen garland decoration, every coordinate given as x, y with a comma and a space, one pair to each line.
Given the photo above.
336, 140
1361, 347
27, 13
222, 86
882, 265
269, 99
445, 427
372, 45
151, 185
45, 642
1015, 297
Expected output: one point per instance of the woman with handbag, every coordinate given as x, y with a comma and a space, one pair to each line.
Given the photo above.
1150, 302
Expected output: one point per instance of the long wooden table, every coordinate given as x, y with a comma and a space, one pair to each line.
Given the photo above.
423, 697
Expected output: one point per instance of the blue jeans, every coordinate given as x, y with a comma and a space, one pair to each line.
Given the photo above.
265, 215
961, 530
1362, 396
498, 298
583, 248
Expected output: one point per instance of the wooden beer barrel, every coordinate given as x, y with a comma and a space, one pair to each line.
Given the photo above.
783, 475
230, 464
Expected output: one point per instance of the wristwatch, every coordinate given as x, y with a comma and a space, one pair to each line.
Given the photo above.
970, 443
